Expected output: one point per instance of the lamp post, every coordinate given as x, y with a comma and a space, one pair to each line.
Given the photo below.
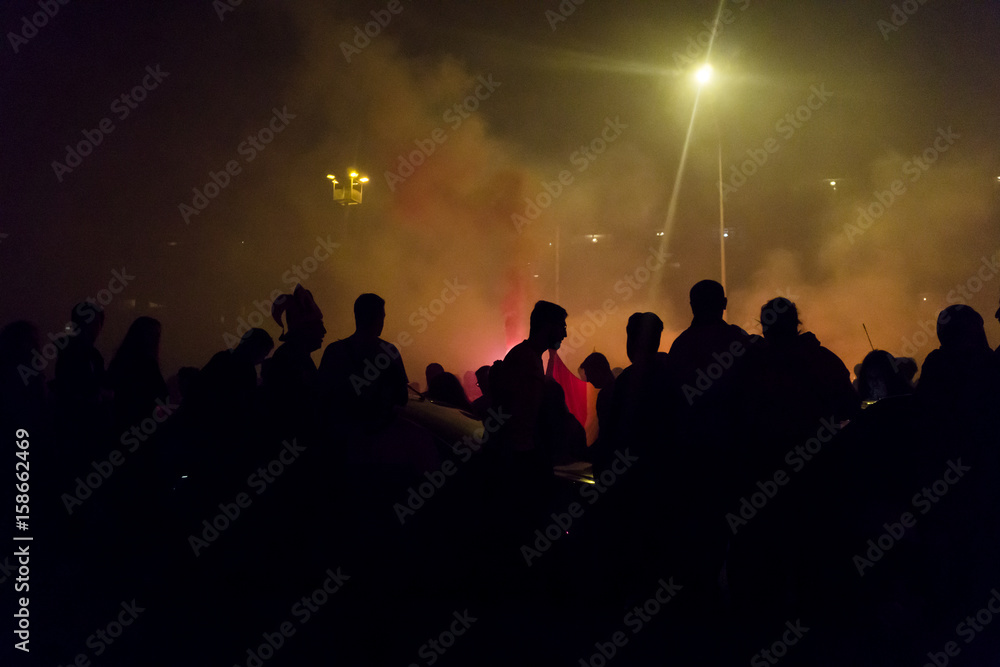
704, 76
350, 194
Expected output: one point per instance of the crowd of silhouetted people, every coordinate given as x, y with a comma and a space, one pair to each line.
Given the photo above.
749, 470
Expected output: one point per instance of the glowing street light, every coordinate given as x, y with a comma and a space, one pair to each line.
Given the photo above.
350, 194
704, 74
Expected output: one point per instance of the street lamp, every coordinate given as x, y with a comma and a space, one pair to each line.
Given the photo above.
350, 194
704, 76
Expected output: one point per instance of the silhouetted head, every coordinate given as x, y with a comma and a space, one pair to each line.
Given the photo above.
141, 342
597, 370
369, 314
303, 316
255, 345
643, 337
548, 325
961, 327
881, 375
446, 388
432, 371
89, 320
779, 320
708, 299
483, 379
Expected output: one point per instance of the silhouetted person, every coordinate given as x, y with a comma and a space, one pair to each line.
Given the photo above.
134, 373
523, 385
290, 378
961, 373
705, 357
228, 382
80, 375
432, 371
794, 393
643, 401
362, 374
446, 388
881, 375
597, 371
997, 316
481, 405
563, 433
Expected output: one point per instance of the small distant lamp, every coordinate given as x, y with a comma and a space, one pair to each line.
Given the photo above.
348, 195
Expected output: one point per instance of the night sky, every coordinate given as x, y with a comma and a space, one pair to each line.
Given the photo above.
903, 117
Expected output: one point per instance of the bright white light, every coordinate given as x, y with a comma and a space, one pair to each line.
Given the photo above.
833, 183
594, 239
704, 74
725, 235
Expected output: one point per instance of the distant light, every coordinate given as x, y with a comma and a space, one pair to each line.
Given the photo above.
363, 179
833, 183
550, 244
594, 239
925, 298
725, 235
659, 233
354, 174
171, 243
536, 275
704, 74
331, 177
